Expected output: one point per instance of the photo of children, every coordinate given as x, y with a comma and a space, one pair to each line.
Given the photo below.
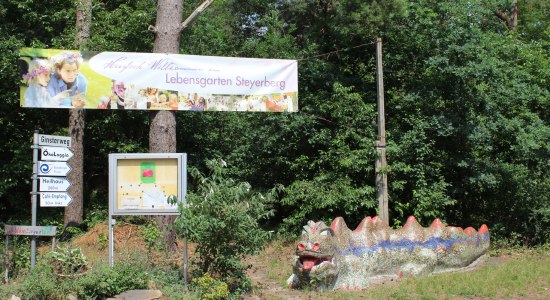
118, 96
38, 78
66, 83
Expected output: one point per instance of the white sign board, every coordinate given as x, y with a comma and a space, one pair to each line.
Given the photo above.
54, 140
56, 153
54, 184
55, 199
201, 74
50, 168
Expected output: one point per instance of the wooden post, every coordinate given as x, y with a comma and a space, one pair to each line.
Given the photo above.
381, 166
6, 260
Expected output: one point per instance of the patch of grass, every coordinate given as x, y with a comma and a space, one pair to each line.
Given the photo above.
277, 267
521, 276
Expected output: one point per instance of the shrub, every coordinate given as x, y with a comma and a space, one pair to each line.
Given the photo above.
209, 288
151, 233
223, 219
68, 261
40, 283
104, 281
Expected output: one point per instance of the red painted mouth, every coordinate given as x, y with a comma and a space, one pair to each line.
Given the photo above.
308, 263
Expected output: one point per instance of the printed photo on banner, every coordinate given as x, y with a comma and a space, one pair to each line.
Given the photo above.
52, 78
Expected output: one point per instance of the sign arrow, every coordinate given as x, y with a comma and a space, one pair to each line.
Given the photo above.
56, 153
54, 184
48, 168
55, 199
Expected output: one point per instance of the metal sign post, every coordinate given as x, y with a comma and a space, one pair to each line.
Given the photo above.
34, 194
54, 154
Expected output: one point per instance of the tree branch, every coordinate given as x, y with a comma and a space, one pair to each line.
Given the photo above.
197, 11
511, 19
502, 15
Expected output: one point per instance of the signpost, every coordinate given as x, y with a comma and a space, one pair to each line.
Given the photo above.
54, 184
54, 140
55, 153
48, 179
50, 168
55, 199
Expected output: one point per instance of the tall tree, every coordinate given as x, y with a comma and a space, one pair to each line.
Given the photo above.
75, 210
162, 129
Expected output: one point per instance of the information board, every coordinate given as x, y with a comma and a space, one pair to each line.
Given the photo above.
142, 184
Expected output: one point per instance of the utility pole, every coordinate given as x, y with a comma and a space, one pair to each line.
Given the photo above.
381, 165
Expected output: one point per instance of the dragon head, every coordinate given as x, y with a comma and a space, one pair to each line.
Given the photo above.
314, 260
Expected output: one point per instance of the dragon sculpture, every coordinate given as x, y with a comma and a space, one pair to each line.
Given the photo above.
332, 258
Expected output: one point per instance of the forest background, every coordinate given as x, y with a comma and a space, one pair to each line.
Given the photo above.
467, 108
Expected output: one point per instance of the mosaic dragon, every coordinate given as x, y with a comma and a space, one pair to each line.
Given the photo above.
332, 258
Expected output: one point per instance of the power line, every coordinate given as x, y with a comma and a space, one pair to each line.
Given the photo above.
337, 51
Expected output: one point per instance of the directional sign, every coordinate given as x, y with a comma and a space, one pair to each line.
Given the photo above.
53, 184
50, 168
56, 153
55, 199
54, 140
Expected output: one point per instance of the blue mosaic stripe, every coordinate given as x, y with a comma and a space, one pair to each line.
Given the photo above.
432, 243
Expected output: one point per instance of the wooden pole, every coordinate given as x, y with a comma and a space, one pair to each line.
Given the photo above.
6, 260
381, 166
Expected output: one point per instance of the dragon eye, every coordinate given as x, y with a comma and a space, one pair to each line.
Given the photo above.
326, 232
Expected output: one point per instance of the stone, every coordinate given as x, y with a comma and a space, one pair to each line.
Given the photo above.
139, 295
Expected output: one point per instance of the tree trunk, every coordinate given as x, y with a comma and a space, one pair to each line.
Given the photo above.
75, 210
162, 128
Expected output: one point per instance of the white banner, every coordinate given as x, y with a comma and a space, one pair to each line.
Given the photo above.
202, 74
126, 80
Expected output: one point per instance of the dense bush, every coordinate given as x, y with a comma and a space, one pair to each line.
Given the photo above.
101, 281
208, 288
105, 281
223, 218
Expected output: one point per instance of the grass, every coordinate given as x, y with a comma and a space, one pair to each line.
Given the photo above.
521, 274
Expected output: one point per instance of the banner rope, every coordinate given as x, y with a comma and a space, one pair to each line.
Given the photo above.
336, 51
